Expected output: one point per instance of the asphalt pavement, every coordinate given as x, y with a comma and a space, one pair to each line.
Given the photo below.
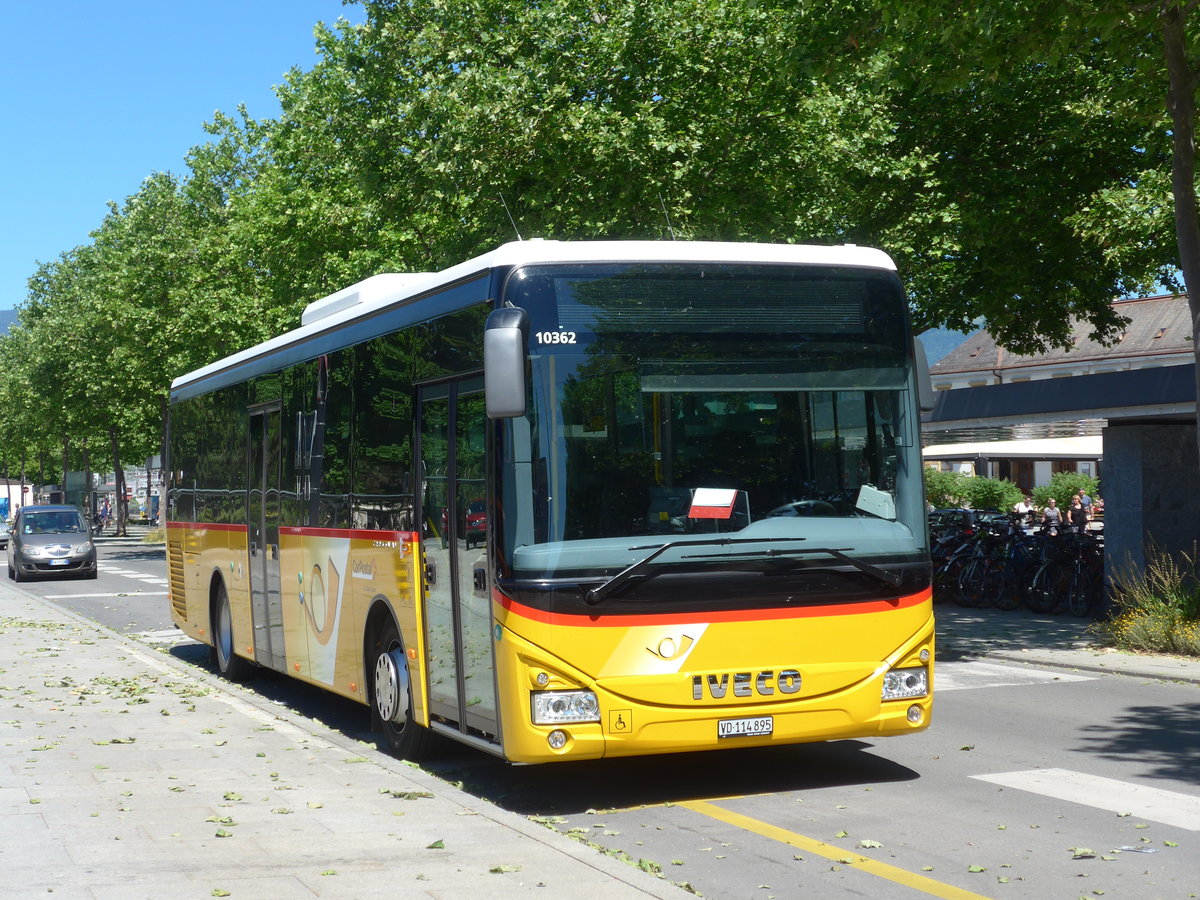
127, 773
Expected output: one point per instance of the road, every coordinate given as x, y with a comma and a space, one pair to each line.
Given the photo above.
129, 594
1032, 783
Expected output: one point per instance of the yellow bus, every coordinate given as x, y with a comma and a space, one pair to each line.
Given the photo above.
572, 500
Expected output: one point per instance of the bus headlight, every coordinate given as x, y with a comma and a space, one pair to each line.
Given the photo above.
900, 684
553, 707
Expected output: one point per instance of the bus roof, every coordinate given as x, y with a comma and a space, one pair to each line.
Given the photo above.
381, 291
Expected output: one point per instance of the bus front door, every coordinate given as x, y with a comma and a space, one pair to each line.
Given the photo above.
460, 672
264, 470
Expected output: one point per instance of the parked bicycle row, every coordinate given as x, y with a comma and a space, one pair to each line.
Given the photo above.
994, 559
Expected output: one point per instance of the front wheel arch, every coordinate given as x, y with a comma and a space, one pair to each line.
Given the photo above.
389, 688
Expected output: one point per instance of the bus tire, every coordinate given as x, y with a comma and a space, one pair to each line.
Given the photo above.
224, 658
391, 696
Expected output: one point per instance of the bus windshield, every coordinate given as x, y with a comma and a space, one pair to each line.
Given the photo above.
682, 403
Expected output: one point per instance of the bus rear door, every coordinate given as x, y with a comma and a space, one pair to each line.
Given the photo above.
264, 471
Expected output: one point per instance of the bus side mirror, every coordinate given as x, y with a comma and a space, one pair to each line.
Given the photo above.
504, 340
924, 381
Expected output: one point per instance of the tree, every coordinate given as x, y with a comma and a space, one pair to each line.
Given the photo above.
1140, 66
1012, 157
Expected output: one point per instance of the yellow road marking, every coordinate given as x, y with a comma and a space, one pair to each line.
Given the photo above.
829, 851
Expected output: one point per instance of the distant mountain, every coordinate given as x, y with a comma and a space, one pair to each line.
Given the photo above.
940, 341
7, 318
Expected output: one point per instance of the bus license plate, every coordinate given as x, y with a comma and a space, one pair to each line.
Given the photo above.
759, 726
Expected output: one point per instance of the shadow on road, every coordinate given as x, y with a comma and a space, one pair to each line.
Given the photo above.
966, 633
575, 787
149, 553
1162, 738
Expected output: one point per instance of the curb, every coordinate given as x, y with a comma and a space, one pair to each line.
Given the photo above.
1158, 668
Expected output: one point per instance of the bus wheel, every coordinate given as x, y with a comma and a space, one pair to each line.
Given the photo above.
228, 663
391, 697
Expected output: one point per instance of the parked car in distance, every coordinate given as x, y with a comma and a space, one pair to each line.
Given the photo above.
475, 518
50, 541
3, 533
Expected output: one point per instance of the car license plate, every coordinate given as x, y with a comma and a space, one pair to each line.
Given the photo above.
759, 726
59, 562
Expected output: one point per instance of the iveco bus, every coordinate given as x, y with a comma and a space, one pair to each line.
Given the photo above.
574, 500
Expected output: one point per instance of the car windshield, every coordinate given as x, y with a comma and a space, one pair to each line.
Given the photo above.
52, 523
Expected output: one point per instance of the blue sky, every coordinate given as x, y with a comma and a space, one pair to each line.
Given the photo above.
102, 94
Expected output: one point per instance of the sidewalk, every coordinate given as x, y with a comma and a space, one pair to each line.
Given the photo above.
1055, 641
135, 533
127, 774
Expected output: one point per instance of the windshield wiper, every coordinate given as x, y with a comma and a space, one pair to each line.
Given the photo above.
888, 578
596, 594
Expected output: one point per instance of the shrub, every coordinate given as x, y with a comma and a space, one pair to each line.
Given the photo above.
993, 493
1062, 487
946, 489
1157, 609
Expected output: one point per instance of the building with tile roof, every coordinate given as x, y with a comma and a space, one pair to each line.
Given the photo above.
1158, 333
1137, 393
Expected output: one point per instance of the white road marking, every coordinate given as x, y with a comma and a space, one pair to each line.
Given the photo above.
959, 676
133, 573
1167, 807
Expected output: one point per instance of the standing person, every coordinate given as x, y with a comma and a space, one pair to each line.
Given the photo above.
1025, 510
1052, 517
1085, 501
1077, 515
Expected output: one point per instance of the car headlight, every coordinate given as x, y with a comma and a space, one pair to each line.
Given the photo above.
554, 707
30, 550
900, 684
85, 547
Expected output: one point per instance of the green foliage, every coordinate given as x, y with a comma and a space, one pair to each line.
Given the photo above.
1157, 609
992, 493
1014, 159
952, 489
1062, 487
946, 489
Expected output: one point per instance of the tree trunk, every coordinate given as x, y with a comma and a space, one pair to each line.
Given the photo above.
119, 501
1181, 103
66, 464
89, 496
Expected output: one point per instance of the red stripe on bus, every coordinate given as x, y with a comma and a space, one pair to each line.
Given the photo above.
355, 533
731, 615
359, 533
207, 526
